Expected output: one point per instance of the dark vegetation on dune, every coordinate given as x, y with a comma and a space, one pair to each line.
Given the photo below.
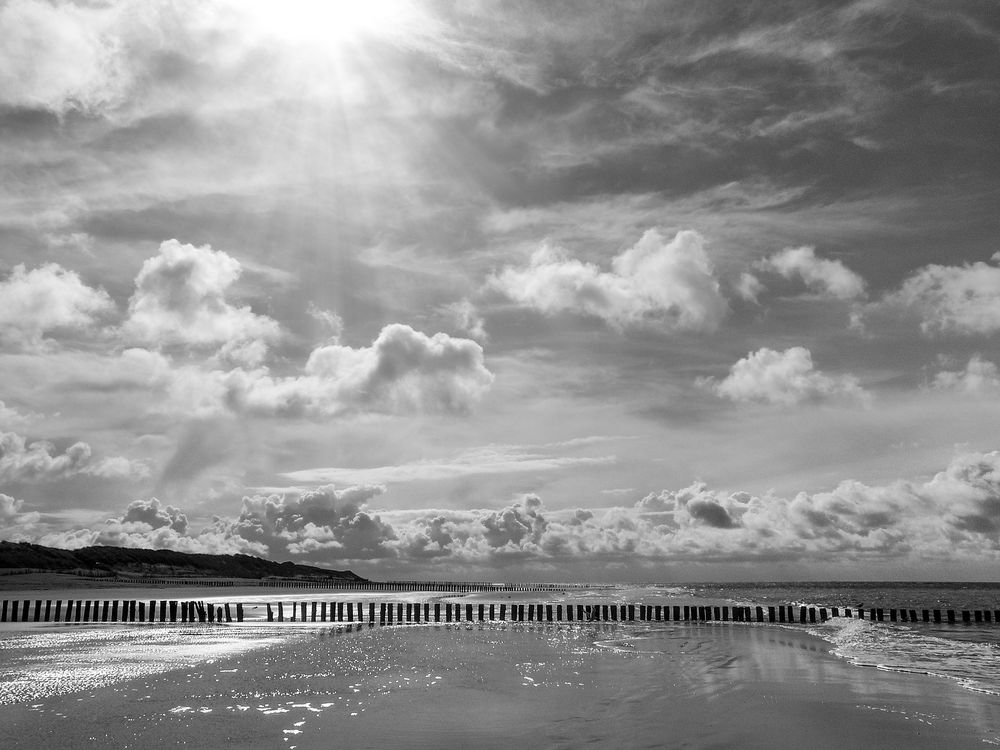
108, 561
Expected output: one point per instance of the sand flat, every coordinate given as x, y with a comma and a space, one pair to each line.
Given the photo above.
493, 685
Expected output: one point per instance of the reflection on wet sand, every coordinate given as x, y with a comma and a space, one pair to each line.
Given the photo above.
492, 685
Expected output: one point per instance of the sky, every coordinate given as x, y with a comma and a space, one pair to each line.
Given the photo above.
605, 291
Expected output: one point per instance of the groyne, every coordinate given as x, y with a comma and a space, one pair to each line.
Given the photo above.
392, 613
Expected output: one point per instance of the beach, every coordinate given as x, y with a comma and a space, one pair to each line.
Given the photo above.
491, 685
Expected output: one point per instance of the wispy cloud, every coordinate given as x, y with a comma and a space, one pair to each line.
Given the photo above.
485, 460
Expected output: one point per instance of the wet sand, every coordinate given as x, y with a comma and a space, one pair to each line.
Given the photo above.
604, 685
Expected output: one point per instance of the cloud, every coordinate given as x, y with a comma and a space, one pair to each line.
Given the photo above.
402, 371
150, 513
16, 525
331, 322
39, 461
786, 377
830, 278
11, 418
60, 57
485, 460
954, 515
180, 298
749, 287
47, 300
655, 281
979, 377
962, 300
467, 319
325, 522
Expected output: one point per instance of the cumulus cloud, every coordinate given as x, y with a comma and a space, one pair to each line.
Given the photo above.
60, 56
656, 280
403, 370
15, 524
787, 377
180, 298
45, 300
325, 524
40, 461
962, 300
830, 278
980, 376
956, 514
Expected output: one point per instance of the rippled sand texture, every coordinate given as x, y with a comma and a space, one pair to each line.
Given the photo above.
501, 686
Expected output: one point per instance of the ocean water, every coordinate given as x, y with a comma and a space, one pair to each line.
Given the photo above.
966, 654
304, 685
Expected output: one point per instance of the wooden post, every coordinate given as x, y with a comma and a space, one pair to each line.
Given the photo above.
173, 610
302, 610
427, 611
951, 617
239, 612
312, 611
229, 614
631, 612
937, 615
548, 613
270, 613
966, 618
892, 615
399, 612
978, 615
687, 612
812, 614
822, 614
281, 612
913, 615
492, 613
437, 611
86, 611
987, 615
340, 611
482, 612
350, 612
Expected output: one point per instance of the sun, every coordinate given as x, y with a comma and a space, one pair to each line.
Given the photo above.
328, 22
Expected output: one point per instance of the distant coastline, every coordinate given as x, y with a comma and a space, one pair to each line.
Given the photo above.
25, 565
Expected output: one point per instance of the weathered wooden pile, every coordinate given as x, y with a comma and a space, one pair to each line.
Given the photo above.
390, 613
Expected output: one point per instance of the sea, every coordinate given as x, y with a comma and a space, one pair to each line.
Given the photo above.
715, 684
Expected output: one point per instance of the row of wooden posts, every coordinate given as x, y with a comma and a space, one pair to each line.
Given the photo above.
86, 610
415, 612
